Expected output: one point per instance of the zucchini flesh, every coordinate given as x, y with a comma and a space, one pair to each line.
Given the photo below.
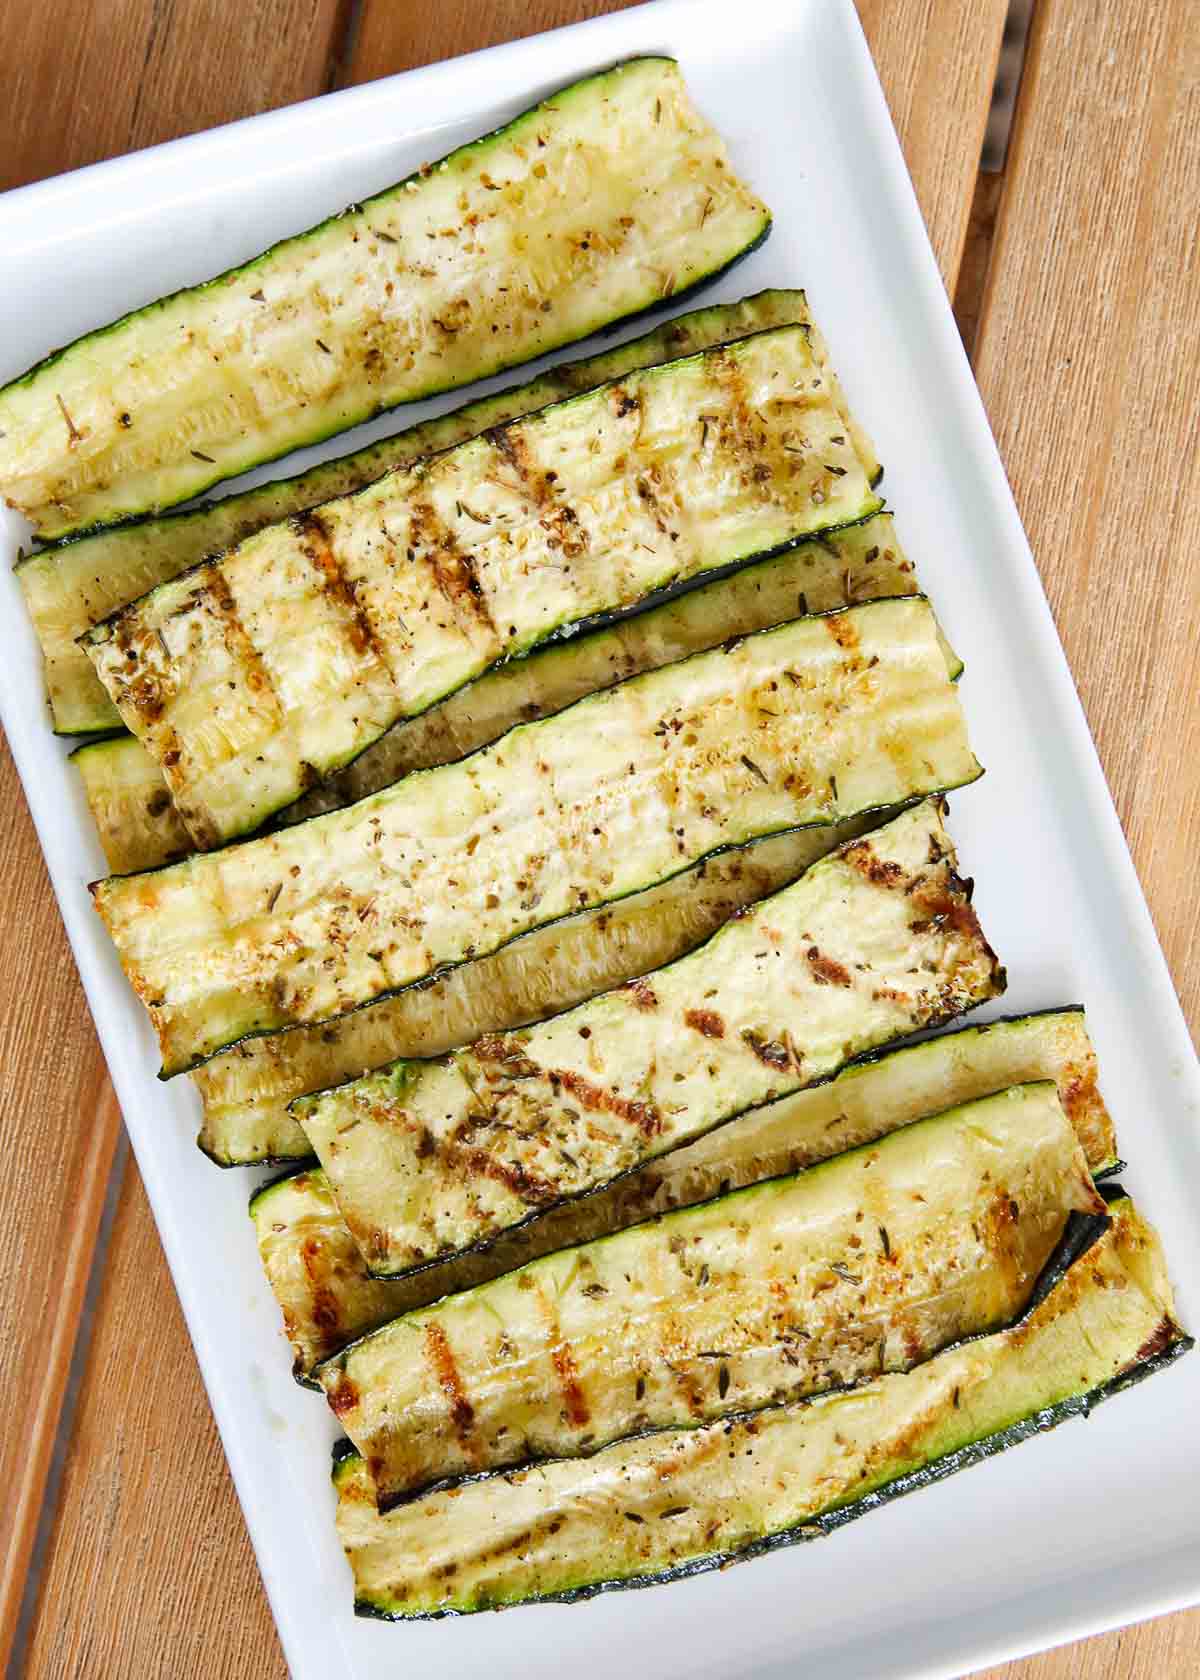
138, 826
246, 1091
876, 940
871, 1262
602, 201
70, 587
328, 1297
278, 662
617, 792
864, 562
676, 1502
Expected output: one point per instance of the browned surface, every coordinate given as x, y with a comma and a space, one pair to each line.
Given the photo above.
1081, 323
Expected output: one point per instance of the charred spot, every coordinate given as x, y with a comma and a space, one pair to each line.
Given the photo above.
343, 1396
881, 872
643, 1115
158, 803
642, 993
826, 971
770, 1052
705, 1021
624, 402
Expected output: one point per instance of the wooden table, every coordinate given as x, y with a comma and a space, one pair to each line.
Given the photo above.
1076, 278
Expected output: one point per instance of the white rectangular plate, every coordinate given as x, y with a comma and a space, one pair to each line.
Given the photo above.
1080, 1530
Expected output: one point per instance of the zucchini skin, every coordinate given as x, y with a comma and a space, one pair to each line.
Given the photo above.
782, 1278
808, 979
368, 388
78, 582
402, 593
667, 779
329, 1299
1042, 1386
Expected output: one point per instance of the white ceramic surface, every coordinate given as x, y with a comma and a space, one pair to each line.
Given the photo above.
1076, 1531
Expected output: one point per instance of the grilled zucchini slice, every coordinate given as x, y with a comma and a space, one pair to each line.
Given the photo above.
280, 661
328, 1298
814, 720
871, 1262
247, 1090
604, 200
676, 1502
75, 584
876, 940
126, 789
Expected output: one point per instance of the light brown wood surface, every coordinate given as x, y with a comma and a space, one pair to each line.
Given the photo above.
1062, 302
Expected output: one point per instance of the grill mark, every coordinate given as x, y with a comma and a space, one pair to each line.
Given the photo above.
449, 1380
644, 1115
565, 1369
558, 520
512, 1175
454, 569
315, 543
705, 1021
827, 971
743, 442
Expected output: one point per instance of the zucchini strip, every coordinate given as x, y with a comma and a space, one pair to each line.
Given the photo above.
139, 828
72, 586
803, 724
328, 1298
871, 1262
281, 660
598, 203
247, 1090
875, 941
676, 1502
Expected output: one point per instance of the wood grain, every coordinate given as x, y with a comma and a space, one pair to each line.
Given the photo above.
151, 1571
936, 59
1087, 359
84, 82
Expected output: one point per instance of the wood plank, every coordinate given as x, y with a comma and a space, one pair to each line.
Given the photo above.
83, 83
937, 62
1091, 302
88, 82
941, 126
150, 1571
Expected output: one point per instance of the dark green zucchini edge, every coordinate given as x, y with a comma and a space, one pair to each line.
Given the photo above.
1074, 1244
883, 811
657, 306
